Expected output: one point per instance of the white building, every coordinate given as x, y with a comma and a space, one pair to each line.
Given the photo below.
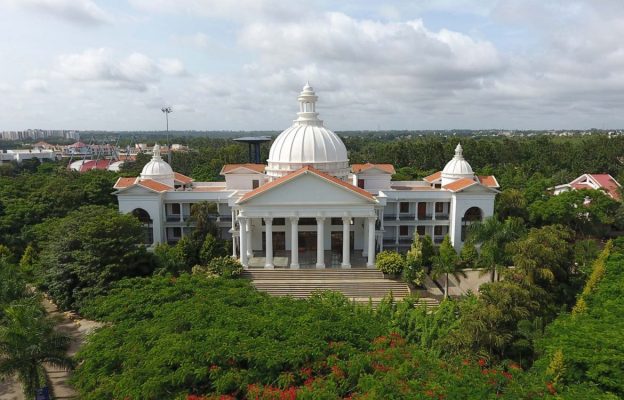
308, 207
27, 154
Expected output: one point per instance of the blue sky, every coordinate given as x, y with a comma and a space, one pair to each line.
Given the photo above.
230, 65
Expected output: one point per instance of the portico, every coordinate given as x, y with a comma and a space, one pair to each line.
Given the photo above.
307, 212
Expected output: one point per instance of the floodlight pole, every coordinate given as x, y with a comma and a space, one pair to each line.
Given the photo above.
167, 111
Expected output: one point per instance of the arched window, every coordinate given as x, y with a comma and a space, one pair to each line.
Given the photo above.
472, 215
145, 218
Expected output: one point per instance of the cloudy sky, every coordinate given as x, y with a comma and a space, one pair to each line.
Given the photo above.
403, 64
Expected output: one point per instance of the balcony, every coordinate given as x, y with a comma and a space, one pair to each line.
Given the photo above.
173, 217
442, 217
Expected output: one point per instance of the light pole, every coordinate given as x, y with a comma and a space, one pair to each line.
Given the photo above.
167, 110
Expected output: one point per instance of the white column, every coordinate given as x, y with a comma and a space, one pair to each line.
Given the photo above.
181, 213
364, 239
346, 248
233, 245
398, 209
416, 211
433, 213
249, 238
294, 243
320, 242
268, 264
371, 242
242, 221
396, 237
381, 217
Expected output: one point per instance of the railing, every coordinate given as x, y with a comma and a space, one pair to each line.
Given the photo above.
442, 217
438, 239
173, 217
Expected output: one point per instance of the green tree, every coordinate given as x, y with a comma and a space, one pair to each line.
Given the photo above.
28, 262
226, 266
428, 251
27, 340
390, 262
511, 203
87, 250
413, 271
203, 216
544, 255
211, 248
492, 235
446, 262
169, 259
468, 255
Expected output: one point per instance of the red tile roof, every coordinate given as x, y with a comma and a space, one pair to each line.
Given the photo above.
433, 177
608, 183
258, 168
182, 178
304, 170
153, 185
489, 181
459, 184
95, 164
124, 182
387, 168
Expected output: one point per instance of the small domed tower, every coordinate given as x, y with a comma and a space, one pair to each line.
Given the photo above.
457, 168
158, 170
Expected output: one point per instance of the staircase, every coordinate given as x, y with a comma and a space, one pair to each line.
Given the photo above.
359, 285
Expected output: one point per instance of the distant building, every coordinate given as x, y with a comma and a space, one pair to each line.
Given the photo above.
308, 207
604, 182
27, 154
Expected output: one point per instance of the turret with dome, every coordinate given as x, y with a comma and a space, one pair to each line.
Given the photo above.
308, 143
457, 168
158, 170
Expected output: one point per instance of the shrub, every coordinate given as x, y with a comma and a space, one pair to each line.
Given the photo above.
390, 262
226, 267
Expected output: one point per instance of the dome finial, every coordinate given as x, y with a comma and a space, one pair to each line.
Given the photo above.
156, 152
307, 114
459, 151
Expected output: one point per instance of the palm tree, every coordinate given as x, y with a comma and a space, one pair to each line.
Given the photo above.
493, 235
27, 341
202, 215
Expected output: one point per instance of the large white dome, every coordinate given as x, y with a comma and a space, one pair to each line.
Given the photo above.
308, 142
158, 169
457, 168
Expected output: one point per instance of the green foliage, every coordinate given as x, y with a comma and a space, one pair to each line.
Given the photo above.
211, 248
446, 262
226, 266
591, 343
428, 251
511, 203
171, 336
169, 259
390, 262
413, 272
28, 262
589, 212
468, 255
84, 252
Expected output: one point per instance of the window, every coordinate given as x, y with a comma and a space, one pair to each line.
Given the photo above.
175, 208
403, 230
279, 221
421, 230
439, 207
404, 207
361, 183
307, 221
336, 221
437, 230
177, 232
255, 183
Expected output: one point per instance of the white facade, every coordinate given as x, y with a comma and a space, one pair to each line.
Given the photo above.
308, 207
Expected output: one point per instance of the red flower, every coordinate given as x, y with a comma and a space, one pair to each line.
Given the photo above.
337, 372
306, 372
482, 362
551, 388
465, 362
515, 366
507, 375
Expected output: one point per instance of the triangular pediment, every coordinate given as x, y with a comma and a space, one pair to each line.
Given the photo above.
135, 190
308, 188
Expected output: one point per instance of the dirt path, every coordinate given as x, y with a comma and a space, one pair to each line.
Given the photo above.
77, 330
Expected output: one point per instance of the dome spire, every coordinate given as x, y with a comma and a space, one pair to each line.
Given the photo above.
459, 151
156, 153
307, 114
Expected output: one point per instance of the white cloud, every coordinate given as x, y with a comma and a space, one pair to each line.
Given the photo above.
35, 85
100, 66
85, 12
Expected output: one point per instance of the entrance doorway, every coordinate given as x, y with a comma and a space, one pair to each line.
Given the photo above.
336, 242
279, 241
422, 210
307, 241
